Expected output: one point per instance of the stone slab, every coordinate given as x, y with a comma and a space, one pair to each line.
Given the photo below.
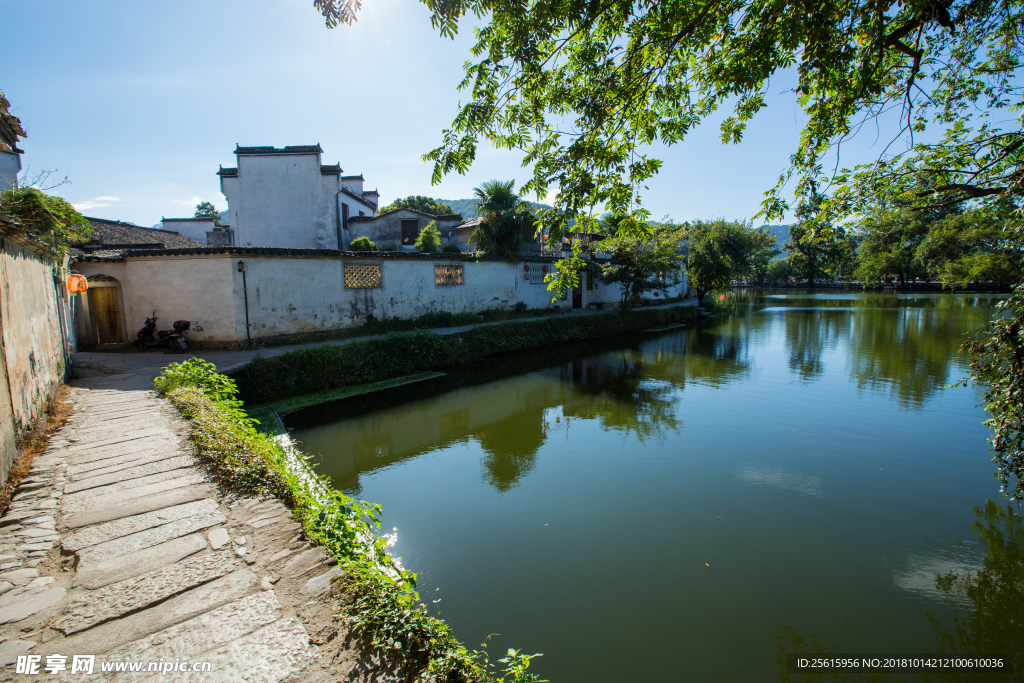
219, 538
133, 435
129, 473
100, 501
125, 526
10, 650
149, 537
200, 634
136, 506
75, 499
139, 592
319, 584
276, 652
118, 462
19, 577
105, 572
272, 520
37, 602
149, 445
301, 562
105, 637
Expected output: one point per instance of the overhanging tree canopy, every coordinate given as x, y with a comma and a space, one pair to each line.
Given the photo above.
581, 87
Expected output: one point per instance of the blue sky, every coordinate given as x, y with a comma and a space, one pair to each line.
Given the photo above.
138, 104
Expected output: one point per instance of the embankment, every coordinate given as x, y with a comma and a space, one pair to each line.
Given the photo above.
327, 367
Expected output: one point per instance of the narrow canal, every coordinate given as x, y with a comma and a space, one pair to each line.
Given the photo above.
655, 508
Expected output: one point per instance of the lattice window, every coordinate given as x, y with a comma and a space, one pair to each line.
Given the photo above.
448, 275
362, 275
536, 274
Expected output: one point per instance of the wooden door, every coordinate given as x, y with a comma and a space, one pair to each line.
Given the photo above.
106, 312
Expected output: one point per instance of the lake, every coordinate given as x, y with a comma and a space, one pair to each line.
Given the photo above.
656, 507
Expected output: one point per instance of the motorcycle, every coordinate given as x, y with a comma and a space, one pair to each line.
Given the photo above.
148, 337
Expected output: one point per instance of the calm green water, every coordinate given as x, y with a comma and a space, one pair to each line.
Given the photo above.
805, 448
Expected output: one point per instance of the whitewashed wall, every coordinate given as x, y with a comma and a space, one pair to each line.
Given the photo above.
196, 288
303, 294
196, 228
283, 200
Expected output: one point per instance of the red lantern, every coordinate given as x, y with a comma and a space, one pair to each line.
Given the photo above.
526, 267
544, 269
77, 283
526, 276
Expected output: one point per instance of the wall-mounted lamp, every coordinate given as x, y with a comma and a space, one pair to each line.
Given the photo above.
245, 293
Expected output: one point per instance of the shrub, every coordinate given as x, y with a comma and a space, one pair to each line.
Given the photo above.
330, 366
451, 249
362, 244
396, 354
429, 239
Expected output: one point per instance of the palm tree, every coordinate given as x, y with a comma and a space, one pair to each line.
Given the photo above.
507, 222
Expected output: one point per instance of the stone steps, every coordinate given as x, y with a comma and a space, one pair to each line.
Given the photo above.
139, 579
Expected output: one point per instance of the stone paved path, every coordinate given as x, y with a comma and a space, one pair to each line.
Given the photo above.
118, 544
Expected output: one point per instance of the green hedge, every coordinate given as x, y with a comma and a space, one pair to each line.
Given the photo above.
333, 365
393, 355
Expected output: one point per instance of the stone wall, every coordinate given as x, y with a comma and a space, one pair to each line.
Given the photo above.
34, 353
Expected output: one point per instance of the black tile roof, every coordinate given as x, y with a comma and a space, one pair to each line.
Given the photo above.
334, 169
448, 217
117, 237
277, 251
204, 218
289, 149
228, 172
352, 177
358, 197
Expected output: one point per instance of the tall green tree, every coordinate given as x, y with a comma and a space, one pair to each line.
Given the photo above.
507, 223
718, 253
642, 264
762, 250
208, 210
420, 203
625, 73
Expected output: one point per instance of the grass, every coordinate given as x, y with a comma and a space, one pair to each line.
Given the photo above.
34, 443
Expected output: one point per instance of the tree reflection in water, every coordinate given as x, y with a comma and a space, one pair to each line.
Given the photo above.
627, 385
991, 621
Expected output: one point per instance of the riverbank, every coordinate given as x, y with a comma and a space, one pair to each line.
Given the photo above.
323, 368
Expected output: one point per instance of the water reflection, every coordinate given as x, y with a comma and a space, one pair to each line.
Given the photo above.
631, 389
895, 345
990, 620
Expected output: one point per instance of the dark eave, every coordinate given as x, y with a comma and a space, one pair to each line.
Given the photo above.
334, 169
278, 151
352, 177
228, 172
344, 190
323, 253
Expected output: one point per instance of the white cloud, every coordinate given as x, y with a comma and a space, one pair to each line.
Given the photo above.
94, 203
189, 202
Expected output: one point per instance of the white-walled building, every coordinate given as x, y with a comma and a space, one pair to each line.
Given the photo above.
287, 198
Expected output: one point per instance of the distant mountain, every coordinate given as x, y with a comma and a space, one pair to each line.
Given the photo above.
467, 207
781, 234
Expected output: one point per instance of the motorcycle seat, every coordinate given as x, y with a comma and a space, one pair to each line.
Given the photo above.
166, 333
